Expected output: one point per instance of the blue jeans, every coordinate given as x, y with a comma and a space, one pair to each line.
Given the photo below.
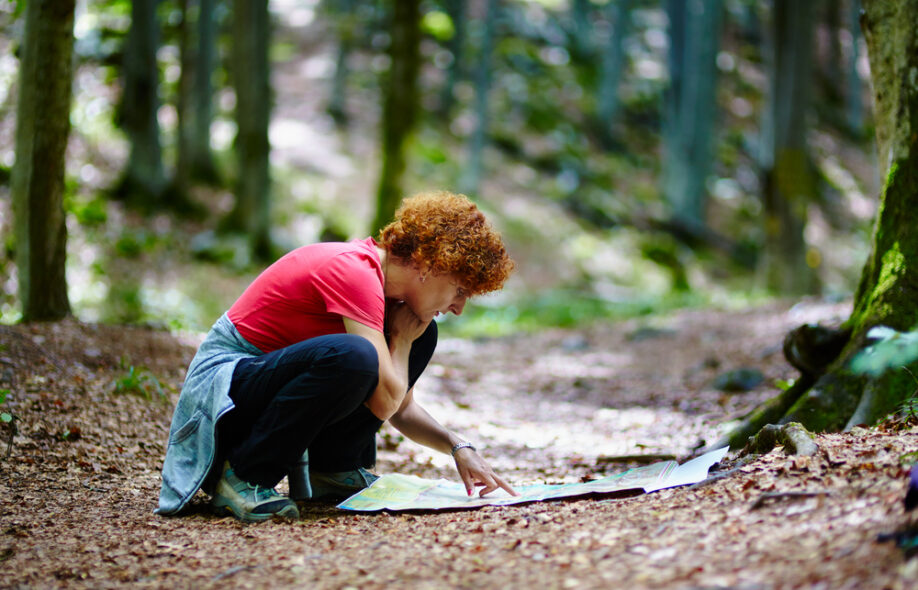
308, 395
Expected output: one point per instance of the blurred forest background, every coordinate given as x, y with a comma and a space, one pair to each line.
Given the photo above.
638, 155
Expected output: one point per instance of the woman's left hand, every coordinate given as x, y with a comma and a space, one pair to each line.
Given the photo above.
475, 472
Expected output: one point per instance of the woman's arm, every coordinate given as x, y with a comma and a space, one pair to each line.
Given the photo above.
414, 422
392, 387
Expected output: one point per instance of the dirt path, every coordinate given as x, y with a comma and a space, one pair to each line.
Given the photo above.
79, 489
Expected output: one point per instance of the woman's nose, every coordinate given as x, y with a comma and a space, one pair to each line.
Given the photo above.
458, 306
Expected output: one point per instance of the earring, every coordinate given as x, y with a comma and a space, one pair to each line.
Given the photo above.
423, 278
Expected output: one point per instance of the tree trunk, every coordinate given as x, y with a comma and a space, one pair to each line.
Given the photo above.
854, 117
612, 66
788, 181
200, 113
456, 45
471, 180
143, 179
888, 288
581, 34
690, 106
400, 106
252, 82
346, 27
181, 178
42, 128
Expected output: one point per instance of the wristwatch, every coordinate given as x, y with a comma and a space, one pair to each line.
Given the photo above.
462, 445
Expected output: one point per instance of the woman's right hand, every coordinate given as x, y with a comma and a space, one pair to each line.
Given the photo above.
404, 326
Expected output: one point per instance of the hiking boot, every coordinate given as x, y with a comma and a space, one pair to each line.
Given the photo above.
341, 485
298, 479
247, 502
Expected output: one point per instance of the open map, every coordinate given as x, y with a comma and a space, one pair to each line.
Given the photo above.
406, 492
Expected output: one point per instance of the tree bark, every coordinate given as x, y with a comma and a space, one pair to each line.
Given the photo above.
690, 107
456, 69
346, 27
400, 105
888, 288
789, 184
37, 184
201, 156
853, 87
252, 82
143, 179
612, 67
471, 180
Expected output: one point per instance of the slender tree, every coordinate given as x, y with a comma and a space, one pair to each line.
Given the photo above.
181, 178
829, 396
581, 33
612, 66
475, 169
251, 80
854, 112
42, 128
143, 179
346, 27
690, 107
200, 113
400, 105
788, 181
457, 14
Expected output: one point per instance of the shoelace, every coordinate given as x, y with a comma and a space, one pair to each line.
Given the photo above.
267, 493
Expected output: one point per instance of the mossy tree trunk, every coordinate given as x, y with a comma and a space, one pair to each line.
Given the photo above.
789, 184
200, 113
143, 179
888, 290
470, 181
690, 108
37, 184
456, 69
611, 68
400, 105
252, 83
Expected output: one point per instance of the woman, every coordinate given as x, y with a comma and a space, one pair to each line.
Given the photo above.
321, 349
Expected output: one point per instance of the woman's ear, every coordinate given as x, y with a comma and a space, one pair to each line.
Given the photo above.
423, 272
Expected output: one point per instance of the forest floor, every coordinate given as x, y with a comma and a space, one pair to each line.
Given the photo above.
81, 482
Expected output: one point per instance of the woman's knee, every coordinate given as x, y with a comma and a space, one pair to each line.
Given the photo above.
356, 353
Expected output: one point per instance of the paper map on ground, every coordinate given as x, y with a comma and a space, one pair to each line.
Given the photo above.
394, 491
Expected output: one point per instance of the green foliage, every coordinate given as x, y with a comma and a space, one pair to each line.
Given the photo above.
563, 308
891, 349
129, 245
784, 384
909, 409
438, 24
88, 212
8, 418
20, 7
5, 417
140, 382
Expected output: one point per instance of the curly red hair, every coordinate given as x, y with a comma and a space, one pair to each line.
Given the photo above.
446, 233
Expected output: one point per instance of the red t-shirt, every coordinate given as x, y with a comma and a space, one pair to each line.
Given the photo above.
307, 292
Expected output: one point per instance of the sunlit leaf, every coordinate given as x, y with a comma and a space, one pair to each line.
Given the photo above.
890, 349
438, 24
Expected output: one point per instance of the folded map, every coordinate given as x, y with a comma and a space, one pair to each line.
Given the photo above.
395, 492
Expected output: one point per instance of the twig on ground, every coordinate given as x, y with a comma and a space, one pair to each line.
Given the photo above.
714, 478
643, 459
765, 497
231, 571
